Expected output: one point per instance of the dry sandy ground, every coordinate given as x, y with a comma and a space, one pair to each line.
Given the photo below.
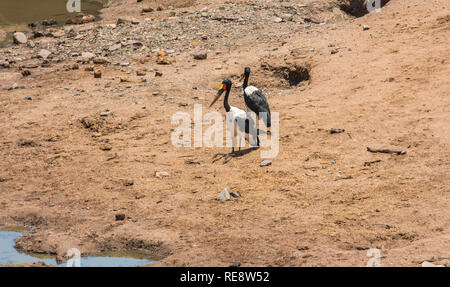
318, 204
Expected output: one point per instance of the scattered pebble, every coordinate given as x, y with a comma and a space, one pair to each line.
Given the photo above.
224, 195
265, 163
162, 174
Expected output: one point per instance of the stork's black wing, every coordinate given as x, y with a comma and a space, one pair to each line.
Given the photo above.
257, 102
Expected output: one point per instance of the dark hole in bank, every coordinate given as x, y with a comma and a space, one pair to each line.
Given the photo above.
358, 8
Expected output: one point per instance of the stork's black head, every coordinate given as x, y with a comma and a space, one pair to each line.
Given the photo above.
247, 71
226, 86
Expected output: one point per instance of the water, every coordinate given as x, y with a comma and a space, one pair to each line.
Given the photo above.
15, 15
8, 254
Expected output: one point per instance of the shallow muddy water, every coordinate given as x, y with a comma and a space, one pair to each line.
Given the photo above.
15, 15
8, 254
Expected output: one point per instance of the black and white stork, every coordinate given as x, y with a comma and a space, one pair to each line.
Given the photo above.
255, 100
235, 115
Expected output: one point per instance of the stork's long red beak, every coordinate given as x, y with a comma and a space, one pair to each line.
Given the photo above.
219, 93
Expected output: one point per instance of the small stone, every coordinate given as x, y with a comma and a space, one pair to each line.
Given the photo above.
44, 54
28, 98
147, 9
162, 60
161, 174
224, 195
87, 55
366, 27
120, 217
19, 38
105, 113
26, 73
287, 17
125, 80
97, 74
14, 86
106, 147
265, 163
128, 182
100, 60
158, 74
235, 194
200, 55
141, 73
334, 51
277, 20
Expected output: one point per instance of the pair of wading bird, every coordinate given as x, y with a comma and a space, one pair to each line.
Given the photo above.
255, 101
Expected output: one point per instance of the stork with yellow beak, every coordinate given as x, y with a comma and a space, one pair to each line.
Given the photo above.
234, 115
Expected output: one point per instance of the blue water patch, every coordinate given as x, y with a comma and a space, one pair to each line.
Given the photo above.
8, 254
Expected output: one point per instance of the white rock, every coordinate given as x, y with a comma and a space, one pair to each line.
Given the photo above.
161, 174
44, 54
224, 195
265, 163
20, 38
277, 20
88, 55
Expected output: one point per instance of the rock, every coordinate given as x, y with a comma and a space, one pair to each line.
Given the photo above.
26, 73
314, 20
334, 51
106, 147
19, 38
147, 9
365, 27
120, 217
158, 74
336, 131
277, 20
100, 60
125, 80
87, 19
115, 47
87, 55
235, 194
122, 21
128, 182
144, 60
14, 86
105, 113
97, 74
28, 98
287, 17
265, 163
44, 54
201, 55
141, 73
162, 60
161, 174
224, 195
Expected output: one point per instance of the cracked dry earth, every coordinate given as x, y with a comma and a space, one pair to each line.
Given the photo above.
77, 151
